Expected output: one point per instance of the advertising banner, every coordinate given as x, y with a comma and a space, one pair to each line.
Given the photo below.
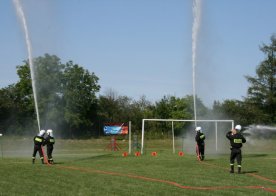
115, 129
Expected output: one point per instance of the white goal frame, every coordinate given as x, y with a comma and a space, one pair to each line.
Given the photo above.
178, 120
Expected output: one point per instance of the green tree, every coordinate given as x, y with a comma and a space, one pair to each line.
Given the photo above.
16, 105
231, 109
66, 94
262, 90
170, 107
201, 111
26, 121
140, 109
14, 118
118, 108
114, 108
48, 73
79, 88
108, 106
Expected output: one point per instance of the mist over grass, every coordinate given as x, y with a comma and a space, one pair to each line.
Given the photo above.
209, 129
86, 167
260, 139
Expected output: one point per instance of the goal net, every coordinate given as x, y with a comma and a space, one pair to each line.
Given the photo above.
212, 128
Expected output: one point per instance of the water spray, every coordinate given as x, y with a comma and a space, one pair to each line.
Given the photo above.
196, 24
22, 18
260, 131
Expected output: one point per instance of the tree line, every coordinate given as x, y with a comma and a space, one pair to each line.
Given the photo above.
69, 101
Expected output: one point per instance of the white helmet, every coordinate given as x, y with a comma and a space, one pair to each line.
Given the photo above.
238, 127
41, 132
50, 132
198, 129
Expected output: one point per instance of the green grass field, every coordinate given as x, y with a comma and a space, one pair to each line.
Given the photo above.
86, 167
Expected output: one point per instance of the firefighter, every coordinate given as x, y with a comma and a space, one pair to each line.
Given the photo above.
200, 144
38, 143
50, 141
236, 141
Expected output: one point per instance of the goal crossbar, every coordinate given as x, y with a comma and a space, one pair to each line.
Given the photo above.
179, 120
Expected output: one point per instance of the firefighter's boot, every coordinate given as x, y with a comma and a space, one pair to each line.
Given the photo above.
239, 169
231, 168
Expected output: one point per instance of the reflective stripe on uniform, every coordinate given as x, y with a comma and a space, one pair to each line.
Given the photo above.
231, 164
41, 158
202, 136
52, 140
237, 141
239, 165
38, 139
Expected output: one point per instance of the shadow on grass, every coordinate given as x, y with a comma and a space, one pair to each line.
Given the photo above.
209, 160
92, 157
249, 172
59, 163
255, 155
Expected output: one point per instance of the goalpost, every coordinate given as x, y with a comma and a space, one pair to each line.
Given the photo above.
177, 120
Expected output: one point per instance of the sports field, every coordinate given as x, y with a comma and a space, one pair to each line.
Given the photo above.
87, 167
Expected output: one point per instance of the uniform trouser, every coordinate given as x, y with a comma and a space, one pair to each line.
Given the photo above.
200, 151
50, 151
37, 148
236, 154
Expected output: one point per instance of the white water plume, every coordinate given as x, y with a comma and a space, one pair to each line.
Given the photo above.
260, 131
22, 18
196, 25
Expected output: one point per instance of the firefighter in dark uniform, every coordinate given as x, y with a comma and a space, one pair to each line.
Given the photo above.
50, 141
38, 143
236, 141
200, 145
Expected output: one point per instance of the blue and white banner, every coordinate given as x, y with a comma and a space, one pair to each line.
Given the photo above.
115, 129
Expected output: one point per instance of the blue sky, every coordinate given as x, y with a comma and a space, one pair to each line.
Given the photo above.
143, 47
